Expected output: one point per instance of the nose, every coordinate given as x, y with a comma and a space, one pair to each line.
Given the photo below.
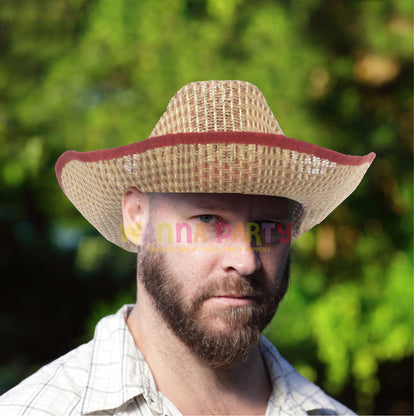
240, 257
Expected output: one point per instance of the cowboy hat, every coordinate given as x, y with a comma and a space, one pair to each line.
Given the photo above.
215, 137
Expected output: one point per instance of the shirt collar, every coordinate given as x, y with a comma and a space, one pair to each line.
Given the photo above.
292, 394
118, 370
119, 373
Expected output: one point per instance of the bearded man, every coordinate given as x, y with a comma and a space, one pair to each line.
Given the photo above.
217, 173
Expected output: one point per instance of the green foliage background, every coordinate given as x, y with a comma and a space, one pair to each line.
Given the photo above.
90, 74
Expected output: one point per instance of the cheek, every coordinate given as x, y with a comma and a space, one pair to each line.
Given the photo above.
274, 262
192, 266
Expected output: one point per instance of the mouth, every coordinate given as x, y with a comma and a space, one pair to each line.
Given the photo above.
233, 300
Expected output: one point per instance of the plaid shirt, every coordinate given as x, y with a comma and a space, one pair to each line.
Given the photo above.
109, 376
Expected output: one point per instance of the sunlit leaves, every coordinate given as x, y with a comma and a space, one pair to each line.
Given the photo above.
85, 75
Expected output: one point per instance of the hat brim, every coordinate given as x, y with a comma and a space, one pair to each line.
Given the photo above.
216, 162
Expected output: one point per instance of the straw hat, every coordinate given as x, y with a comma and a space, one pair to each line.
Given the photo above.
215, 137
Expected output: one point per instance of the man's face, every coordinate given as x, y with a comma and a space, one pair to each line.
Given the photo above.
217, 284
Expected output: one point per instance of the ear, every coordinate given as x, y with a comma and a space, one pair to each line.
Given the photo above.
135, 208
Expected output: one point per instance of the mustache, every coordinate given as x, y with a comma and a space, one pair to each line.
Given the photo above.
236, 286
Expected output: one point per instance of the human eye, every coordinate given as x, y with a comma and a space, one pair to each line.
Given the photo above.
275, 232
206, 218
213, 222
268, 232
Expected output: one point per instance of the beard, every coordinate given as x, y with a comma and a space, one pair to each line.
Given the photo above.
244, 324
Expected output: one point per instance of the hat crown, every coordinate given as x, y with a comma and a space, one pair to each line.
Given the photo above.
212, 106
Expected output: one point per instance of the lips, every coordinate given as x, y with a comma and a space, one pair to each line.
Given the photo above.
233, 300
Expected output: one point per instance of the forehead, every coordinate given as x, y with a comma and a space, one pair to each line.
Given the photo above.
252, 205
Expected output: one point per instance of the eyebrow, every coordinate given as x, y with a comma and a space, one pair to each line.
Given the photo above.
212, 205
275, 218
208, 204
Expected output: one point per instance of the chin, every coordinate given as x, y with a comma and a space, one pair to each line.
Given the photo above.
229, 321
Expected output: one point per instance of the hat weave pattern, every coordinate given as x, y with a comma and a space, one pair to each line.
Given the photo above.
215, 137
221, 106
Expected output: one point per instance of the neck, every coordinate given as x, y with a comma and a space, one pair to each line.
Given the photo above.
188, 382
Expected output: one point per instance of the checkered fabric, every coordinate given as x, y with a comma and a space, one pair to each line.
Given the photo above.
109, 376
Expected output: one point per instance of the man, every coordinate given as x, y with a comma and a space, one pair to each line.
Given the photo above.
210, 202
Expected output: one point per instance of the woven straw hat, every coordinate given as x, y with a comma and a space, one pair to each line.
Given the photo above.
215, 137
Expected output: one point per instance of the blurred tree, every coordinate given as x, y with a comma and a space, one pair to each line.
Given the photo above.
85, 74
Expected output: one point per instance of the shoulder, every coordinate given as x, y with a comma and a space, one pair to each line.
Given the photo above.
56, 387
62, 386
293, 391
